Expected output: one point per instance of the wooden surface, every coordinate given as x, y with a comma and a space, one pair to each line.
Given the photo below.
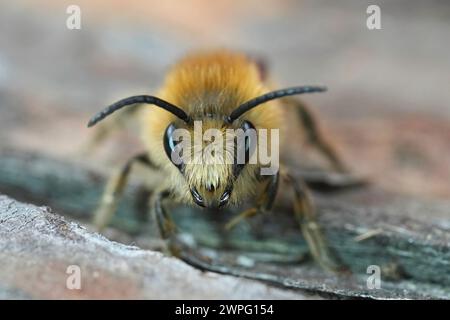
410, 238
39, 248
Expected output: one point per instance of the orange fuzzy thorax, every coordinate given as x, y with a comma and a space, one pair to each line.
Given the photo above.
212, 83
208, 86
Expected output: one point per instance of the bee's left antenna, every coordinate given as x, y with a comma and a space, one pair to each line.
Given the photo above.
139, 100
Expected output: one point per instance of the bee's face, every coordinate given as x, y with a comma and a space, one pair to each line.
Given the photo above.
210, 164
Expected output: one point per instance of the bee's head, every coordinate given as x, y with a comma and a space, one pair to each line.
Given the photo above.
211, 155
211, 177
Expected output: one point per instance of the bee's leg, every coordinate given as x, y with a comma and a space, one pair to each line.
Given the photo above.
331, 181
315, 138
167, 227
114, 189
263, 204
305, 214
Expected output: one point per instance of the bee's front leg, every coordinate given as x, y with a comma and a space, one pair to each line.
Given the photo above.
167, 227
305, 214
264, 202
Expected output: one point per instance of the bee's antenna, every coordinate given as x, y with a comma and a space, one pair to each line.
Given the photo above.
139, 99
243, 108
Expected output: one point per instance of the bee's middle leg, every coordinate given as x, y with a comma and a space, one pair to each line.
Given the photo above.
315, 137
305, 214
264, 202
114, 189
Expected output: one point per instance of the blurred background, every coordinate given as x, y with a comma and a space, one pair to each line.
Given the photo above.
387, 108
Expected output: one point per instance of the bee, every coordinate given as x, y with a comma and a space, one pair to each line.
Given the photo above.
223, 90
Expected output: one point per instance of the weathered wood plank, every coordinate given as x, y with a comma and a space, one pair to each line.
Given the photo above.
38, 246
409, 239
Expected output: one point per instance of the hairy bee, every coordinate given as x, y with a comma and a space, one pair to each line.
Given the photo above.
223, 90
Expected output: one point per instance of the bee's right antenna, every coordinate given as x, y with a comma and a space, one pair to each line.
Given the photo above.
243, 108
139, 99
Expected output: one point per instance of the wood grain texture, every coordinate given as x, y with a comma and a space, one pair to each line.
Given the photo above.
409, 239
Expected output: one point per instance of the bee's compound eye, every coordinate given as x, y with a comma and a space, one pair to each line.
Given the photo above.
225, 197
197, 197
169, 144
169, 147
